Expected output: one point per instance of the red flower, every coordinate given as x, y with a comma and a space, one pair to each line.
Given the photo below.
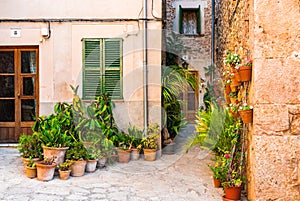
227, 156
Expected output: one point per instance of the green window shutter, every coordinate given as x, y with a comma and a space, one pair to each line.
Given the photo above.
113, 67
199, 21
180, 20
91, 68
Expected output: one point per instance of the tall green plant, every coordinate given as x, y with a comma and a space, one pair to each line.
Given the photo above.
175, 80
209, 126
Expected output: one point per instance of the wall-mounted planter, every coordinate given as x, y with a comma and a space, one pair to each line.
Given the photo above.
245, 73
246, 115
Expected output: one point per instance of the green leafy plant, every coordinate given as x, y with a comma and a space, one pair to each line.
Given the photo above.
209, 125
150, 142
245, 106
30, 163
48, 161
136, 135
30, 146
232, 95
218, 169
232, 59
65, 166
77, 151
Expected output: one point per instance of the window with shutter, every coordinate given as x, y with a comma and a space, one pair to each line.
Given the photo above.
102, 68
189, 21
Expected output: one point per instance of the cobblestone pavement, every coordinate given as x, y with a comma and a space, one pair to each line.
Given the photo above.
172, 177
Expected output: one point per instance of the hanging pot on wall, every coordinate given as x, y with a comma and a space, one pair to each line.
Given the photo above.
245, 73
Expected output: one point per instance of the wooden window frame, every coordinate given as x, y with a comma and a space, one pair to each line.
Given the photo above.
104, 67
181, 19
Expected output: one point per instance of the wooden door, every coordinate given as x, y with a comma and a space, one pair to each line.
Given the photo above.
190, 101
19, 98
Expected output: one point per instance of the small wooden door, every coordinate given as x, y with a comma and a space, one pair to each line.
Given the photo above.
190, 101
19, 94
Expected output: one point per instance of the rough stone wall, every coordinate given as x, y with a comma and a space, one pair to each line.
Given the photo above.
200, 46
276, 95
270, 36
232, 29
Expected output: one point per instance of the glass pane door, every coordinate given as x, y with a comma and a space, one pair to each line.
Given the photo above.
7, 83
28, 75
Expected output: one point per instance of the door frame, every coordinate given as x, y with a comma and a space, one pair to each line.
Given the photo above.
19, 125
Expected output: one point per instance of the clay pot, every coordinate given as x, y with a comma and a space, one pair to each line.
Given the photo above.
64, 175
59, 153
227, 89
26, 160
245, 73
91, 165
233, 193
30, 172
78, 168
123, 155
45, 172
135, 154
150, 154
232, 100
247, 116
226, 199
217, 183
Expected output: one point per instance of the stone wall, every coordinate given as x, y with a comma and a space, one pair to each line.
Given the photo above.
268, 32
199, 53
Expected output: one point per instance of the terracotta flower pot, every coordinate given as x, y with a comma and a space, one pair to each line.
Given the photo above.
245, 73
45, 172
217, 183
150, 154
232, 100
227, 89
135, 154
234, 82
64, 175
26, 160
247, 116
59, 153
123, 155
91, 165
78, 168
226, 199
30, 172
233, 193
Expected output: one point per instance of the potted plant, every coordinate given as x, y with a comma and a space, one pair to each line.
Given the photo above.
231, 59
124, 144
92, 157
149, 143
45, 169
245, 70
233, 97
30, 168
106, 148
234, 179
219, 172
136, 136
246, 113
54, 132
78, 154
65, 169
30, 148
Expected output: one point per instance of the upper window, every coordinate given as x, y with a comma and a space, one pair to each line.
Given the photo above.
189, 21
102, 68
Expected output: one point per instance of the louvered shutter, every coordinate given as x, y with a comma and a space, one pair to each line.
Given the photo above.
199, 21
180, 20
91, 68
113, 67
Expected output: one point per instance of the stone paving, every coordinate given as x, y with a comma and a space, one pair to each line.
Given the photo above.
172, 177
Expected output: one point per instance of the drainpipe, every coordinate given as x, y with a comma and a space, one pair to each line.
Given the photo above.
145, 65
212, 35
